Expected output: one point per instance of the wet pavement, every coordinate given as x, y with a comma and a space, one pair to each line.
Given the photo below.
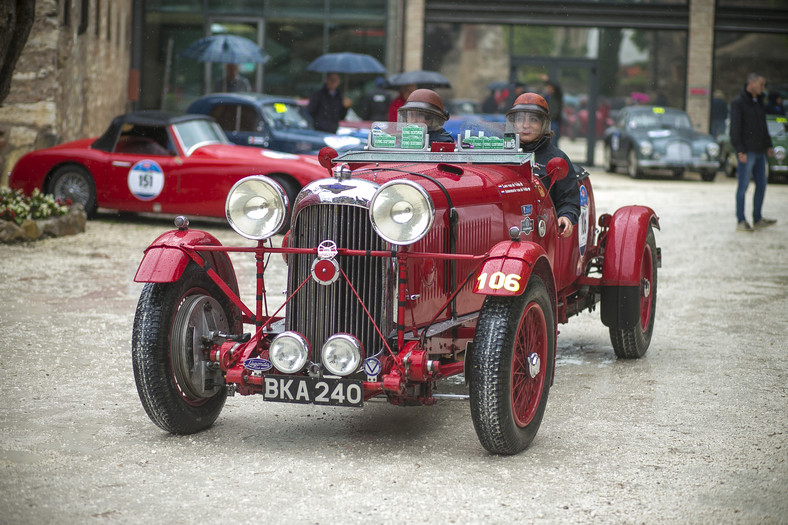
694, 432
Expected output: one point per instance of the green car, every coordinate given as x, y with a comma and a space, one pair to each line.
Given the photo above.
778, 164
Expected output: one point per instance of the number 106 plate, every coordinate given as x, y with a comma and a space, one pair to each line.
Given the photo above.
313, 390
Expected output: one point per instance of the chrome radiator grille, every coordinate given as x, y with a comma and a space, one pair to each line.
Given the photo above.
318, 311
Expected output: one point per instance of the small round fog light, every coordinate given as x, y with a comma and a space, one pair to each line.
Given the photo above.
289, 352
342, 354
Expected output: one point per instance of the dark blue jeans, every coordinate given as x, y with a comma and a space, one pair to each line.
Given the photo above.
754, 168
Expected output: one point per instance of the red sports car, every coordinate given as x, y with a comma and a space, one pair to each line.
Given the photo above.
158, 162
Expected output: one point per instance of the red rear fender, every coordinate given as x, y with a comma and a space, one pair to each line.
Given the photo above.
507, 270
626, 239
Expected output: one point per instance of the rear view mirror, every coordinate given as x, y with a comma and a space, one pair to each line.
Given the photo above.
557, 169
326, 156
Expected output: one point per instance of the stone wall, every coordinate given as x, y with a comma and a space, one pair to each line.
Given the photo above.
70, 80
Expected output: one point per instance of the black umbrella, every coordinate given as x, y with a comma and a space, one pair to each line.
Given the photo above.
227, 49
346, 63
498, 84
426, 79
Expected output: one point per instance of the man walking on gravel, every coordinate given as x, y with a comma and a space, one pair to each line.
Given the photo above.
750, 138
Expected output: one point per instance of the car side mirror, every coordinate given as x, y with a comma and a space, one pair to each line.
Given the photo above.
326, 155
557, 169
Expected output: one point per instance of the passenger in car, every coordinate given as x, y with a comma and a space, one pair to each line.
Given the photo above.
426, 107
530, 118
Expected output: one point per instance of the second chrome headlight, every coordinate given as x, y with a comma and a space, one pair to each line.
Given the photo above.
401, 212
256, 207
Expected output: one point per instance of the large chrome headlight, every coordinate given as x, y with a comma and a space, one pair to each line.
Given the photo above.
256, 207
289, 352
401, 212
646, 148
342, 354
713, 149
779, 153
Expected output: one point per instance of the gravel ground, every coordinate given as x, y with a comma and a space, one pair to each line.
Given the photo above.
694, 432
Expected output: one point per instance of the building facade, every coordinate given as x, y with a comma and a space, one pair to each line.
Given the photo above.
87, 60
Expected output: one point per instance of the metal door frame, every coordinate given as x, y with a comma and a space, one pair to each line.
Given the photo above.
259, 21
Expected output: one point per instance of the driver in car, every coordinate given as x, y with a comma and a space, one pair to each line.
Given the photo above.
424, 106
530, 118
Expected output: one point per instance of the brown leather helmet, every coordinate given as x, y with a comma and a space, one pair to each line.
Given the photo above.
426, 100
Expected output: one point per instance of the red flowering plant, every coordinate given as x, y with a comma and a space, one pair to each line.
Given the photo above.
16, 207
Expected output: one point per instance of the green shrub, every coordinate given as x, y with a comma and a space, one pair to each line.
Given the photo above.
15, 206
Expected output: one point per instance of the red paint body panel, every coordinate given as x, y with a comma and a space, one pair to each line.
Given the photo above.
164, 260
196, 184
624, 249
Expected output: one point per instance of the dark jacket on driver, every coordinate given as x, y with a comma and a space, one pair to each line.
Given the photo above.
565, 193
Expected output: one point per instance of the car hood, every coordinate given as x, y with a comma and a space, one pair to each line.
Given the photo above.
656, 135
236, 153
318, 139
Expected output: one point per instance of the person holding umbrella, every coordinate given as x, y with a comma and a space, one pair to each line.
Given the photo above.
232, 82
327, 105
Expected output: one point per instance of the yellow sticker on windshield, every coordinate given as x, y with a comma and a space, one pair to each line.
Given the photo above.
280, 108
658, 111
782, 120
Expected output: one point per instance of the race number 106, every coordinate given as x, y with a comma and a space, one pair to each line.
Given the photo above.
498, 280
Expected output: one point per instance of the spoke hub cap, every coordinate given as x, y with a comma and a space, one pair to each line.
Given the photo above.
534, 365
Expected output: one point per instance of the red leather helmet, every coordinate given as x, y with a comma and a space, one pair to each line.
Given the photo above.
528, 103
426, 101
531, 102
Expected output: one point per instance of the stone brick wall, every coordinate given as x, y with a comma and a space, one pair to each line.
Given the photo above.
67, 85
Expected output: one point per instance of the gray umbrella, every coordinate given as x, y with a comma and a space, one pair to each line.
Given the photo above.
227, 49
346, 63
421, 78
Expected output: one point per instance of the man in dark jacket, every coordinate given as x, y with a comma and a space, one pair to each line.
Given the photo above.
750, 138
327, 106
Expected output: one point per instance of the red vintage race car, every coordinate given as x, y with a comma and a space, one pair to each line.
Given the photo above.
412, 264
157, 162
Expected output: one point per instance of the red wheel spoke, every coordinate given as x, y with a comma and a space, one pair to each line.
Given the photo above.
526, 390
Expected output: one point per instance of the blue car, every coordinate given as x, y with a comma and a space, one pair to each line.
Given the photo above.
268, 121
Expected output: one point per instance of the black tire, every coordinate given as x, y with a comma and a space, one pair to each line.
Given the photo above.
633, 167
708, 175
74, 182
291, 188
510, 330
632, 342
610, 166
180, 392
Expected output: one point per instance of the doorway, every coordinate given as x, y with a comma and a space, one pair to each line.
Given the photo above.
583, 121
246, 27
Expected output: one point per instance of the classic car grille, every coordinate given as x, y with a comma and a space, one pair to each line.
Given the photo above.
319, 311
678, 151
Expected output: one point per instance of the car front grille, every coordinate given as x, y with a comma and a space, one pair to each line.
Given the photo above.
680, 151
319, 311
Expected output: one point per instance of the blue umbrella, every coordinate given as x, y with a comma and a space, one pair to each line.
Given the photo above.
346, 63
227, 49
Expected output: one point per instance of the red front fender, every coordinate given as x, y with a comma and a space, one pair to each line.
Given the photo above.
165, 259
508, 268
624, 247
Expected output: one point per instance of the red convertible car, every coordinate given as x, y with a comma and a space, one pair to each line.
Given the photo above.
157, 162
414, 263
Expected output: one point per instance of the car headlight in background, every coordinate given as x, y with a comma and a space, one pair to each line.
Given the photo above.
256, 207
646, 148
779, 153
401, 212
342, 354
713, 150
289, 352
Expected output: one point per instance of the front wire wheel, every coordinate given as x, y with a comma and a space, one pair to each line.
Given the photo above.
630, 343
181, 390
511, 368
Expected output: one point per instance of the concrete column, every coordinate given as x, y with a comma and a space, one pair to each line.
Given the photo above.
699, 63
413, 45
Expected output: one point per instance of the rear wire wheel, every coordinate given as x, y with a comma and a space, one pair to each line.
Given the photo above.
631, 343
512, 368
181, 391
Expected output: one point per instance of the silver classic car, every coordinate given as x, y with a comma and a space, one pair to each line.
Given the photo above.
651, 138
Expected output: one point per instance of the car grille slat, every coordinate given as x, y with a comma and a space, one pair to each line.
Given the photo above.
317, 311
680, 151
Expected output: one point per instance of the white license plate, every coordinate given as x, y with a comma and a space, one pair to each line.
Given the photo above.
312, 390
